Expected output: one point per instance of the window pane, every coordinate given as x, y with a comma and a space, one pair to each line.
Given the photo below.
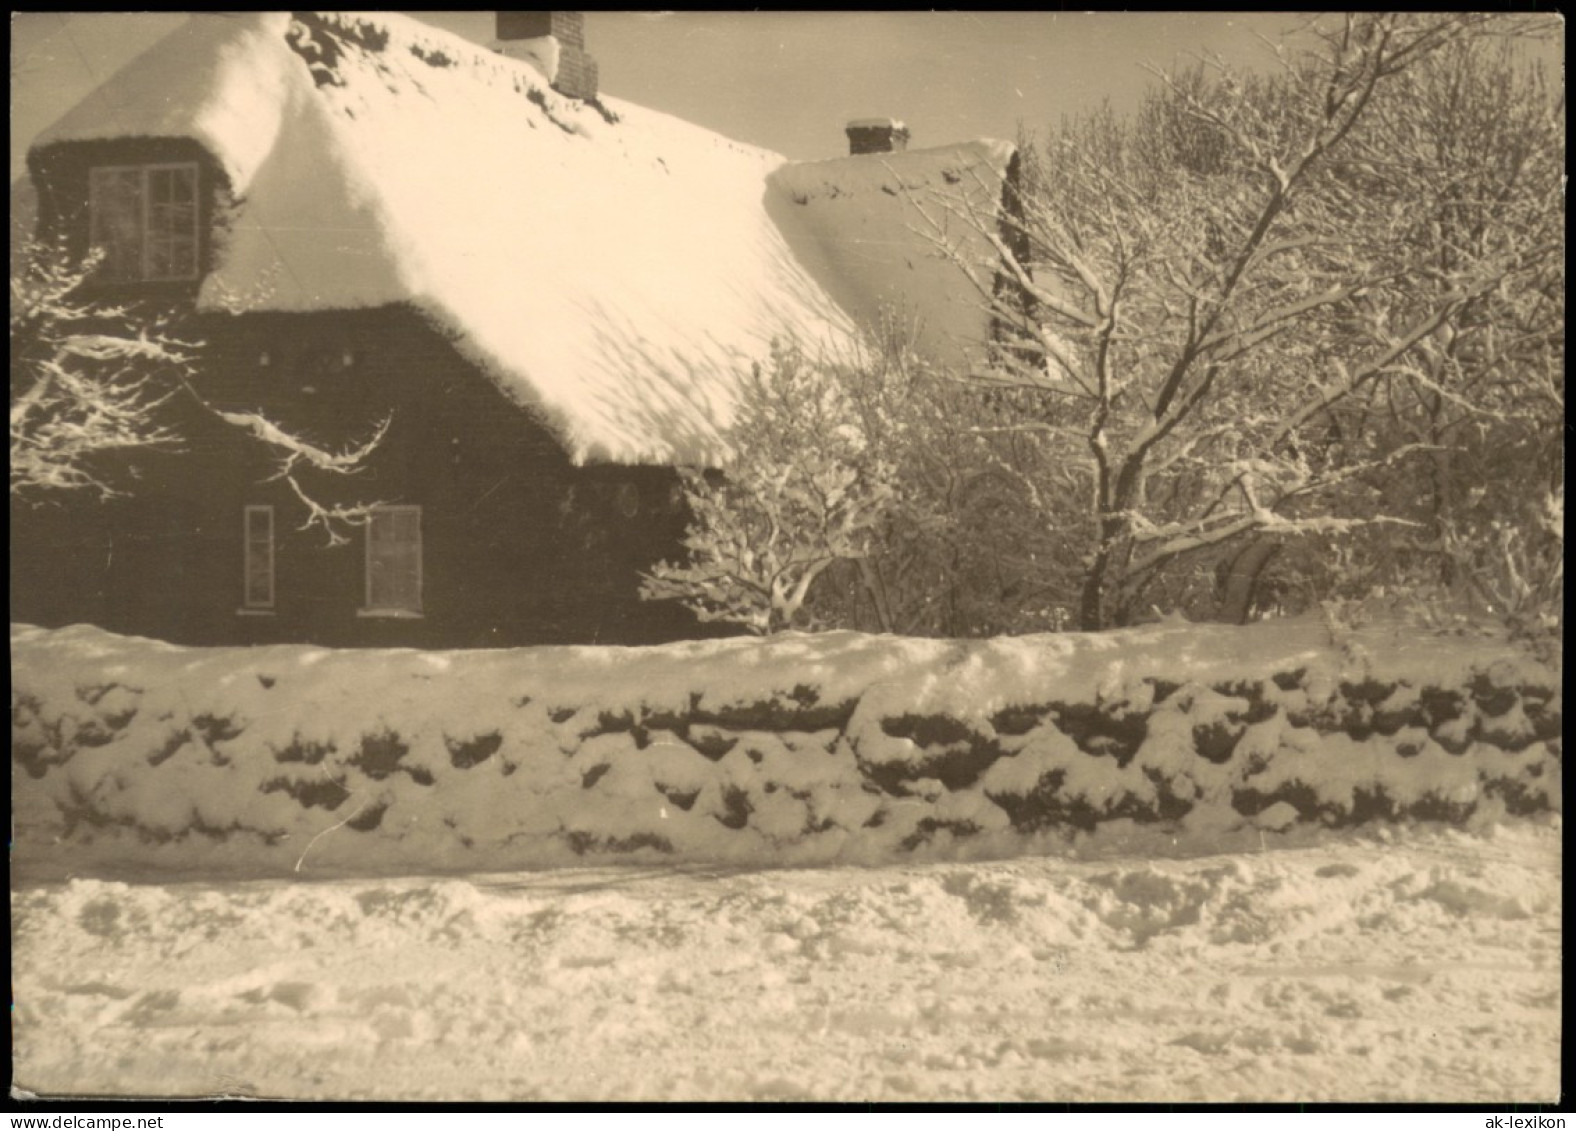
169, 186
406, 526
394, 559
172, 223
183, 258
115, 220
145, 219
171, 258
259, 557
401, 525
158, 259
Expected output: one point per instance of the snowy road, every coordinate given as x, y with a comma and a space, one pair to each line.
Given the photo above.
1422, 965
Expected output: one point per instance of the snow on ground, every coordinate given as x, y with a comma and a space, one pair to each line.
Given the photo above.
1406, 964
1222, 869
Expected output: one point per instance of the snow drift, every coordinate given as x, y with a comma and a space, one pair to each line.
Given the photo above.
792, 750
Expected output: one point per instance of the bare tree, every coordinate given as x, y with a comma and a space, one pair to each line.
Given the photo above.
960, 550
1232, 314
1476, 164
93, 382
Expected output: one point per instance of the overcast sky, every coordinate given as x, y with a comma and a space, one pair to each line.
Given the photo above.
784, 80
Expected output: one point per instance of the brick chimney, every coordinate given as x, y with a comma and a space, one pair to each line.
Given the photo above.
876, 135
554, 43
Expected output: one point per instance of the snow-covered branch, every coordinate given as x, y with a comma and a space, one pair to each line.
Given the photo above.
93, 383
805, 490
1264, 292
85, 385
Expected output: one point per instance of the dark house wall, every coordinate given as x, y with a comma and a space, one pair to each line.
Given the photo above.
518, 545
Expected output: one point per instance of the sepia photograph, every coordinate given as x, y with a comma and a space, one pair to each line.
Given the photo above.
785, 558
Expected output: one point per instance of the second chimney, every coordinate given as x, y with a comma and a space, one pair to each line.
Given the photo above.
555, 42
876, 135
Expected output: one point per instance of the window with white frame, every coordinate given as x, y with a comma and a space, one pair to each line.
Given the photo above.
258, 580
144, 218
394, 561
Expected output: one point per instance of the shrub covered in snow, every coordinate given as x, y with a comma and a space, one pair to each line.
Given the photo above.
796, 749
804, 491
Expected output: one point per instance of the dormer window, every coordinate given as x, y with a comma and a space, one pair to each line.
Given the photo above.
144, 218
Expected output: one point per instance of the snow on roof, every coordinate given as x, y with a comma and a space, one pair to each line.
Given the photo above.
612, 268
872, 230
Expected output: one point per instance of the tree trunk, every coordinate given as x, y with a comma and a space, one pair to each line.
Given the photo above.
1091, 602
876, 591
1094, 613
1238, 583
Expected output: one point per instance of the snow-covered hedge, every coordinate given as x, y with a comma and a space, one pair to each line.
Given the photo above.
129, 753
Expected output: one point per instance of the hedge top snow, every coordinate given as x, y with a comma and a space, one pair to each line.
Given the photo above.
131, 754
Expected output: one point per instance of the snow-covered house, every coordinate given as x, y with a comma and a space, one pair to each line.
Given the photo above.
551, 294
